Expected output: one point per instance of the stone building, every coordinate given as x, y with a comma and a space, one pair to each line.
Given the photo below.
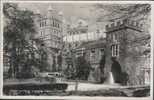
127, 54
128, 43
79, 40
77, 30
50, 30
6, 63
93, 52
81, 33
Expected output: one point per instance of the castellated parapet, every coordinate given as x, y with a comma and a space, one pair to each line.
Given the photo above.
125, 23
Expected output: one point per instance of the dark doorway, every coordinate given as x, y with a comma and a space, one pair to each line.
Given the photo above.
118, 75
116, 70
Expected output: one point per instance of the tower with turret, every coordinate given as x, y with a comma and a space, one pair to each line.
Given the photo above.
125, 43
49, 29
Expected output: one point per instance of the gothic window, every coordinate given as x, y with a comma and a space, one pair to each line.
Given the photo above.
93, 51
102, 51
45, 23
114, 37
40, 24
53, 43
41, 33
54, 31
69, 46
92, 54
82, 51
115, 50
147, 76
69, 33
76, 45
53, 23
56, 44
57, 33
109, 37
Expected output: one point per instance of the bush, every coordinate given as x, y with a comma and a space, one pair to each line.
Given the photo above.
24, 75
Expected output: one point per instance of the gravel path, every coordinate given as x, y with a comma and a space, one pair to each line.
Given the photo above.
91, 86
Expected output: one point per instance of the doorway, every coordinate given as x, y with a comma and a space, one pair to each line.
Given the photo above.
116, 70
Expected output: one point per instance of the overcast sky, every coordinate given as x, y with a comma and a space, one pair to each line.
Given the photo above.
72, 12
94, 14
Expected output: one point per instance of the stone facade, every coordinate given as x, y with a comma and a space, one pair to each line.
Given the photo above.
126, 41
77, 30
50, 30
128, 44
93, 52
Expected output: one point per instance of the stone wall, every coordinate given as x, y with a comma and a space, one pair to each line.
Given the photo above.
130, 38
135, 61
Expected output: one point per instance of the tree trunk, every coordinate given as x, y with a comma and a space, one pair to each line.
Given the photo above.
102, 66
76, 85
14, 62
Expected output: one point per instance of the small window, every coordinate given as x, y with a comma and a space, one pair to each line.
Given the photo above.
45, 22
113, 37
41, 33
102, 50
115, 50
93, 51
92, 55
40, 24
53, 23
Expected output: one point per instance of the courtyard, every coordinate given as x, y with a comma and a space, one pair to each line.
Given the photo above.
95, 56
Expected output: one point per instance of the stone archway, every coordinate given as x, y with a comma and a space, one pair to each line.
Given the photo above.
118, 75
116, 71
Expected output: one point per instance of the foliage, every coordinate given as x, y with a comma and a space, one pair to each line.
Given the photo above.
18, 34
102, 66
118, 11
82, 68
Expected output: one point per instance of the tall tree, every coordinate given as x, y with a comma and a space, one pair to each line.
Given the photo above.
82, 68
102, 66
18, 30
118, 11
138, 12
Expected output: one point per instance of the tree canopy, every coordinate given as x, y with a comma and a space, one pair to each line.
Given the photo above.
82, 68
118, 11
19, 30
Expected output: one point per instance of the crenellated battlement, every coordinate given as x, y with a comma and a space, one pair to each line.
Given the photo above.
123, 24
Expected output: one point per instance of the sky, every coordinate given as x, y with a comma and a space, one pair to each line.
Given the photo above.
72, 12
95, 15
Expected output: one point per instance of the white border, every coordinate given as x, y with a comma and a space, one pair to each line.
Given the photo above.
1, 50
76, 97
152, 47
73, 1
